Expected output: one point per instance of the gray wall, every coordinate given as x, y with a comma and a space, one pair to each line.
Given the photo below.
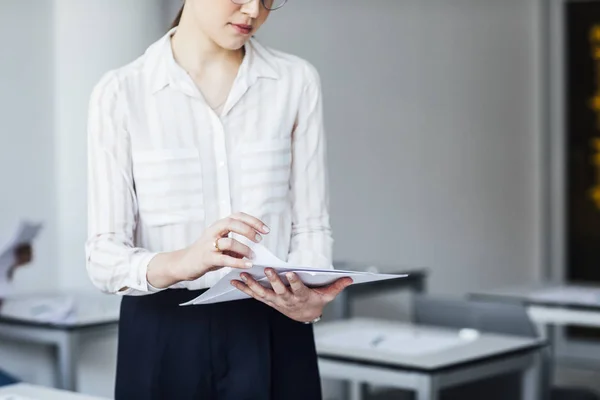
431, 113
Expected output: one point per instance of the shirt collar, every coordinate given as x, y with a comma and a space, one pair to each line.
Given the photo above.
162, 70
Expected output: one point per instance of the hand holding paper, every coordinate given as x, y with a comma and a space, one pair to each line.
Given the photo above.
311, 277
214, 250
291, 296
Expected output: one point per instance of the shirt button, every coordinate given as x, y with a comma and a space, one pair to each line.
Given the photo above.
221, 164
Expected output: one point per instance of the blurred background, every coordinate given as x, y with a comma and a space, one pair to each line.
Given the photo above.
449, 138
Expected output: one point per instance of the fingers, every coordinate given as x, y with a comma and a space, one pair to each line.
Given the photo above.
232, 254
296, 285
254, 222
224, 260
330, 292
224, 226
229, 245
244, 288
276, 283
257, 288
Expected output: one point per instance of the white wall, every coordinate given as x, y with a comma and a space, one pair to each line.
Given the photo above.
26, 131
431, 114
91, 37
58, 51
26, 157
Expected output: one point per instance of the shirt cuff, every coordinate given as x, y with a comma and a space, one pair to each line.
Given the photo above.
153, 289
138, 282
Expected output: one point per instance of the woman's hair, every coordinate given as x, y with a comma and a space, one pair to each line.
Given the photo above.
177, 18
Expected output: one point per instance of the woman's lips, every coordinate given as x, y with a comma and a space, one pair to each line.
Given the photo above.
242, 28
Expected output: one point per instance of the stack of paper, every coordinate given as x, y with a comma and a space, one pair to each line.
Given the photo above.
311, 277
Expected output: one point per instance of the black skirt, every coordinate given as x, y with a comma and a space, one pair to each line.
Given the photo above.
239, 350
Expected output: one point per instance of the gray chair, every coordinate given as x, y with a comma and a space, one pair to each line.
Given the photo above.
509, 319
493, 317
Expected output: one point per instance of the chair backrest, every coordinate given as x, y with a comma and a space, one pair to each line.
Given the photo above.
484, 316
493, 317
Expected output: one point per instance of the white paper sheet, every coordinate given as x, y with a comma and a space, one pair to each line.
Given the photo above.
24, 233
312, 277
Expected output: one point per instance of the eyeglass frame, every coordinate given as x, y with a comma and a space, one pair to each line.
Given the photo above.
242, 2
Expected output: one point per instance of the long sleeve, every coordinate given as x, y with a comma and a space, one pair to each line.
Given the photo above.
311, 232
113, 263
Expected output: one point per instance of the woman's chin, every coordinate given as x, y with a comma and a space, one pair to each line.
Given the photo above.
232, 42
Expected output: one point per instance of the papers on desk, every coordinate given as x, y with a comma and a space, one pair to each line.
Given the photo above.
14, 397
24, 233
45, 309
62, 308
311, 277
404, 342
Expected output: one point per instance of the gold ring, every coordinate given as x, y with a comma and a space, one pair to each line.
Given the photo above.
216, 244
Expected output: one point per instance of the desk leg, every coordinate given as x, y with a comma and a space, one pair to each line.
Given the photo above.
67, 361
427, 388
357, 390
531, 386
551, 336
340, 309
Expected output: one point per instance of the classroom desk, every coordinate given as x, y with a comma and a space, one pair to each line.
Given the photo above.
416, 281
23, 391
93, 315
419, 358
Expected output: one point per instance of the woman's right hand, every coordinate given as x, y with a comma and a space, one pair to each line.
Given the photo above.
212, 251
215, 250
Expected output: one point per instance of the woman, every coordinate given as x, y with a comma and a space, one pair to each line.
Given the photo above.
206, 143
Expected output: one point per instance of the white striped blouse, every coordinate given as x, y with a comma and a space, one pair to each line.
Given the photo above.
162, 165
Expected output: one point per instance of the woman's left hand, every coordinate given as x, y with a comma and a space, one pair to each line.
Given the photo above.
297, 301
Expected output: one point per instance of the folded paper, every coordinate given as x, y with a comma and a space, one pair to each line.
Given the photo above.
312, 277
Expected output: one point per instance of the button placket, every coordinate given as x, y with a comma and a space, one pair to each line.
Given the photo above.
222, 172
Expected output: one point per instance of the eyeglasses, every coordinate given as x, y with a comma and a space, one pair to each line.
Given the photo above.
268, 4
